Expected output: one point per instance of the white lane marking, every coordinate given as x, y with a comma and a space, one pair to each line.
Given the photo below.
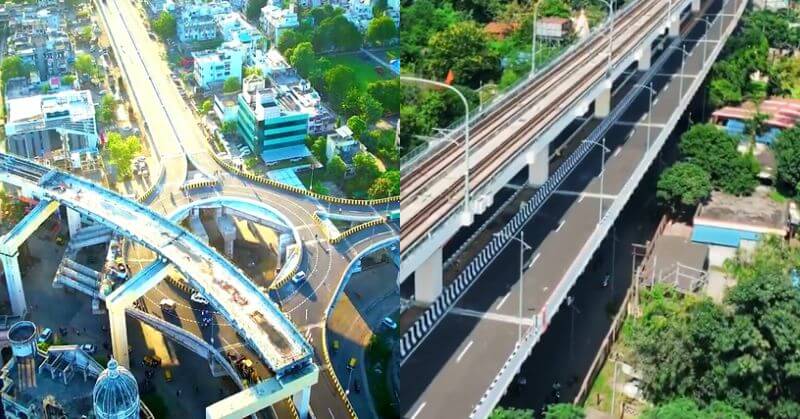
463, 351
561, 224
535, 258
419, 409
503, 301
619, 150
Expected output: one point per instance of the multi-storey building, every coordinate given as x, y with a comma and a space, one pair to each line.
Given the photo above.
216, 66
40, 124
271, 128
274, 20
234, 27
197, 21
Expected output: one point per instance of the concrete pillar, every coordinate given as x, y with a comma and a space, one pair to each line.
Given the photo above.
428, 278
227, 228
695, 6
119, 335
197, 228
645, 58
302, 401
674, 26
16, 293
73, 221
602, 105
538, 167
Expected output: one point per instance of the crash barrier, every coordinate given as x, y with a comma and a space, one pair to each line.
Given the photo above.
356, 229
328, 367
210, 183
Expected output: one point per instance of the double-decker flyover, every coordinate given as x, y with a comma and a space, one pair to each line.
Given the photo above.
177, 136
461, 365
516, 132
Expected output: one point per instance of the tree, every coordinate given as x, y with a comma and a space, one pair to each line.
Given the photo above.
716, 152
229, 127
206, 106
351, 105
288, 39
318, 149
462, 48
12, 66
336, 169
165, 25
86, 34
687, 409
121, 152
252, 71
85, 65
366, 170
105, 112
336, 33
564, 411
357, 125
303, 58
388, 184
68, 80
555, 8
787, 156
371, 109
683, 185
338, 82
511, 413
381, 30
253, 10
231, 84
387, 93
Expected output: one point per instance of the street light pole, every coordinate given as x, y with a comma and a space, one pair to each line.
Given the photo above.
684, 54
609, 62
604, 150
467, 214
523, 246
649, 110
533, 41
705, 42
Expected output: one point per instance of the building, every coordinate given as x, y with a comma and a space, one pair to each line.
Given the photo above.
359, 13
197, 21
116, 393
234, 27
269, 125
155, 7
37, 125
226, 106
216, 66
555, 28
301, 96
728, 223
341, 143
274, 20
271, 63
771, 4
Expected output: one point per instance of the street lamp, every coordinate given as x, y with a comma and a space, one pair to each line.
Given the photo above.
466, 215
533, 43
610, 36
649, 109
522, 248
605, 150
709, 24
684, 54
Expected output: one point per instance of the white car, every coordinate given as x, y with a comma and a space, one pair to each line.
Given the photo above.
199, 298
389, 323
299, 277
89, 348
46, 335
167, 304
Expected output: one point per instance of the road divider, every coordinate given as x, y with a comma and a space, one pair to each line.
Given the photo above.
356, 229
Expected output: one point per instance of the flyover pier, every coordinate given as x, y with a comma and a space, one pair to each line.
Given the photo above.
463, 367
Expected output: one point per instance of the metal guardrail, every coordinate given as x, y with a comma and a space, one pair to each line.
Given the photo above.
523, 349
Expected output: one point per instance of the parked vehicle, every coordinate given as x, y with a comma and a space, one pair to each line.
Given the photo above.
46, 335
388, 323
352, 363
299, 278
198, 298
168, 375
89, 348
167, 304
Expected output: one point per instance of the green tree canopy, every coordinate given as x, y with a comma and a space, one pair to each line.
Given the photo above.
371, 109
318, 149
387, 92
511, 413
684, 408
564, 411
366, 170
303, 58
357, 125
231, 84
336, 33
121, 152
206, 107
339, 80
381, 30
388, 184
85, 65
252, 71
12, 66
787, 156
684, 185
253, 9
555, 8
335, 169
715, 151
462, 48
105, 112
289, 39
165, 25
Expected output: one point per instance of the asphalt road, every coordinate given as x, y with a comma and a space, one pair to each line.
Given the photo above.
448, 373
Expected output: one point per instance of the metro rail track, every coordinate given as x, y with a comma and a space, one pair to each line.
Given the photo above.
444, 158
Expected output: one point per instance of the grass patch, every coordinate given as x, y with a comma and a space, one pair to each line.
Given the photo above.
363, 67
318, 187
600, 395
379, 354
156, 405
778, 197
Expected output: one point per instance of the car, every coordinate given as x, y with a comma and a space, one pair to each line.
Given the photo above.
151, 361
297, 160
46, 335
351, 364
167, 304
271, 163
389, 323
168, 375
198, 298
89, 348
299, 278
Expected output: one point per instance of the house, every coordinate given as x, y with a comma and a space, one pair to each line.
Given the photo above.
499, 30
555, 28
728, 223
216, 66
234, 27
274, 20
197, 21
341, 143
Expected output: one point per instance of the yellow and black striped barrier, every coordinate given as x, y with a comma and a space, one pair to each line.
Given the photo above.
356, 229
293, 408
322, 226
328, 366
279, 282
181, 285
211, 183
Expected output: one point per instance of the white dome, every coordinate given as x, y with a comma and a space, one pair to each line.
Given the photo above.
116, 393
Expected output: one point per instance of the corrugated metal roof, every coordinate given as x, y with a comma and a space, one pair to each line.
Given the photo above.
721, 236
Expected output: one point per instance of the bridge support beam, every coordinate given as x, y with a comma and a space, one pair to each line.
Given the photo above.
227, 228
302, 400
73, 222
645, 58
428, 278
602, 105
119, 335
16, 294
538, 167
675, 26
